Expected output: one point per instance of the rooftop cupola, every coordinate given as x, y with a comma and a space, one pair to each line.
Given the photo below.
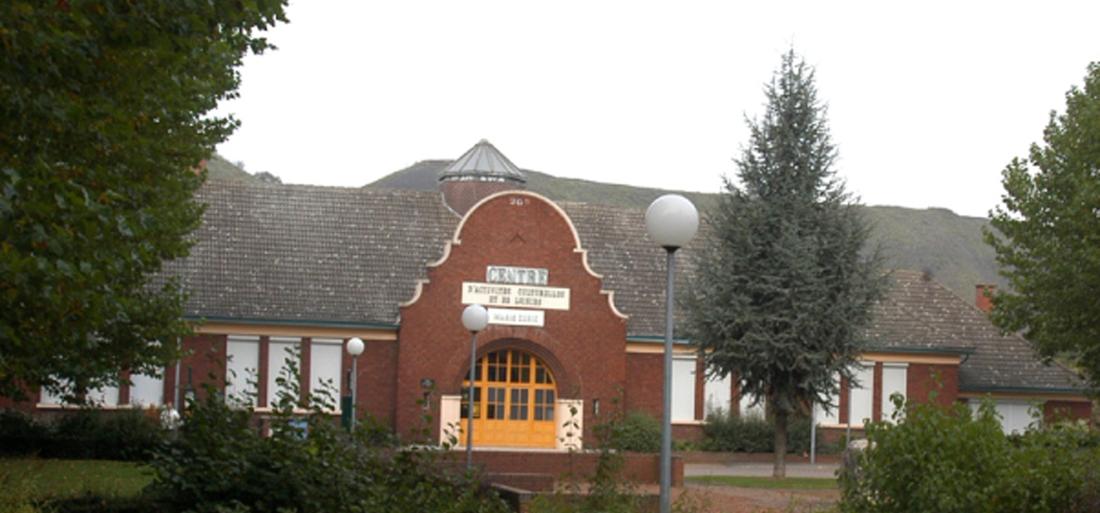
482, 171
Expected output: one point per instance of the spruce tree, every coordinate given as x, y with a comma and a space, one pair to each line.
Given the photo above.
783, 286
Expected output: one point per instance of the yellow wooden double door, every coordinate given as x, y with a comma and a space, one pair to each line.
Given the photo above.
514, 395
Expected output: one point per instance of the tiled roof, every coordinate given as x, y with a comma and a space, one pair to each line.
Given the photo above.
919, 313
307, 253
352, 255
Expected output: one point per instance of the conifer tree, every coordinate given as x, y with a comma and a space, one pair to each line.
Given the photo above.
783, 286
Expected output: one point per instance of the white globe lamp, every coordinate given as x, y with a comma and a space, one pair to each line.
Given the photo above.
671, 221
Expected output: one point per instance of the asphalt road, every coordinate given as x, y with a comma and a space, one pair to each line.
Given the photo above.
759, 469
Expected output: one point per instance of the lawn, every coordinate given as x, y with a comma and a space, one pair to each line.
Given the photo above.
68, 478
790, 483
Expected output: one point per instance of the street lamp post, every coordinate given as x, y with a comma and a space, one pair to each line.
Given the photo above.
671, 221
354, 348
474, 318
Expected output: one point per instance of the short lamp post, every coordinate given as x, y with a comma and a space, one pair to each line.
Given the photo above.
671, 222
474, 318
354, 348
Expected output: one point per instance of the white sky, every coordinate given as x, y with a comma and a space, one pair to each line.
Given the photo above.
928, 101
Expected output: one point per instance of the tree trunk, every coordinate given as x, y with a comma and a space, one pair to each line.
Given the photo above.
779, 470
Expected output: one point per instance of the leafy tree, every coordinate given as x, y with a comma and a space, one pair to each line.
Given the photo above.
104, 118
1050, 222
782, 288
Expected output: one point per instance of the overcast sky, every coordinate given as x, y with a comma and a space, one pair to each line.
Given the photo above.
927, 100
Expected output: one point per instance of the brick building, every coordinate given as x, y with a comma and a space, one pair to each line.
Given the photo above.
575, 292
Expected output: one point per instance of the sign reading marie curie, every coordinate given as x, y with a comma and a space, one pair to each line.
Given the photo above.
522, 296
513, 317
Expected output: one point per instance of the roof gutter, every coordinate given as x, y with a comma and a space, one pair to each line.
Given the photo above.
654, 339
960, 351
292, 322
1021, 390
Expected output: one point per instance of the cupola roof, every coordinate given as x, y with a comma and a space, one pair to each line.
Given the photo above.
483, 162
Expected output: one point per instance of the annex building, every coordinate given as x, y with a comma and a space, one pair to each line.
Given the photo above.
575, 293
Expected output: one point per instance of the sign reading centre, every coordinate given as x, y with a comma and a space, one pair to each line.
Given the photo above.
521, 296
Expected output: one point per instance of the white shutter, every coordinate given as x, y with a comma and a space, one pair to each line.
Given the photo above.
862, 397
683, 389
717, 392
279, 355
894, 380
243, 354
324, 365
146, 390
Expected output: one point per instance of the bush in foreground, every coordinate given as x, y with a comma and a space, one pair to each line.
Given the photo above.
221, 461
947, 460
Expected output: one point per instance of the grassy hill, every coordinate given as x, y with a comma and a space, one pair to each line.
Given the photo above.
936, 240
220, 169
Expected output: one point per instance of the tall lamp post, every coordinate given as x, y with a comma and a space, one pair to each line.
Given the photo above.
671, 221
354, 348
474, 318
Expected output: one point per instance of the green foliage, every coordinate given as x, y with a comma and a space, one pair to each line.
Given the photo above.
636, 432
104, 113
1050, 222
754, 434
943, 459
605, 490
782, 288
733, 433
222, 462
128, 435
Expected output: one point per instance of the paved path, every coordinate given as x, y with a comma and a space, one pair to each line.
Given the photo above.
759, 469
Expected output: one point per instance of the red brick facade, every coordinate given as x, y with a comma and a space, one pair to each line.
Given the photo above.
924, 379
585, 346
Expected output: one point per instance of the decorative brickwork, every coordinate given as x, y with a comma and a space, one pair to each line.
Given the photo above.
585, 346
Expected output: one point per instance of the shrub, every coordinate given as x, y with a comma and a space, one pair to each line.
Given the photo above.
732, 433
221, 462
82, 434
637, 432
20, 435
946, 460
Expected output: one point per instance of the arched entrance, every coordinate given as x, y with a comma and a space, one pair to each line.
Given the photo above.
514, 395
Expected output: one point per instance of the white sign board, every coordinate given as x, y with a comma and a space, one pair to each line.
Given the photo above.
512, 317
516, 275
522, 296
